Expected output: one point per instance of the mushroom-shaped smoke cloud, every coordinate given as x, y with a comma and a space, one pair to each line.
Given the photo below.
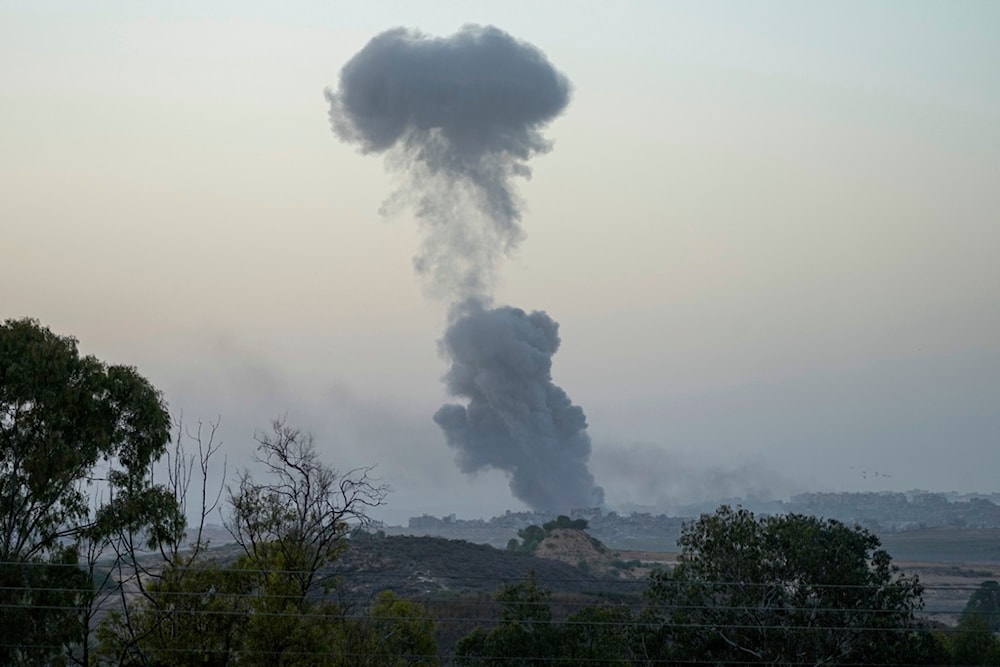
459, 117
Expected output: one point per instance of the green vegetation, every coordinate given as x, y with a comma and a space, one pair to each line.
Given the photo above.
272, 606
532, 536
563, 521
527, 634
525, 629
76, 586
65, 421
781, 590
774, 590
399, 632
984, 605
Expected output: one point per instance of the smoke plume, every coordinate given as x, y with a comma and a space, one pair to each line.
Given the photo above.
458, 118
517, 420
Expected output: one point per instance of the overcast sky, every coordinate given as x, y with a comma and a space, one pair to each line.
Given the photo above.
769, 232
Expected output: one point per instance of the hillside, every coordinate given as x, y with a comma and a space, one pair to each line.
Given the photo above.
422, 567
456, 581
578, 548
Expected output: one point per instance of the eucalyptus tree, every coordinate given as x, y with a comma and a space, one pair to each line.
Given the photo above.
72, 429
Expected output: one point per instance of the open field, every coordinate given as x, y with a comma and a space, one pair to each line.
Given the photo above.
944, 545
947, 586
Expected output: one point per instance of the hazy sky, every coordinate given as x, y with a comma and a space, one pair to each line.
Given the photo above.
769, 232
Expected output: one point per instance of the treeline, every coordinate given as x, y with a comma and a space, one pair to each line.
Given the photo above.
788, 590
98, 565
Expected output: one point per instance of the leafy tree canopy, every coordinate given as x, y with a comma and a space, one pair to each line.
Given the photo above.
528, 635
531, 536
563, 521
68, 422
525, 635
984, 604
781, 590
60, 416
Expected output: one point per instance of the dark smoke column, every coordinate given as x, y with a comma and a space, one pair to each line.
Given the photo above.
459, 117
517, 420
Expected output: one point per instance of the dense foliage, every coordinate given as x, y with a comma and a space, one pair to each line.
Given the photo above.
68, 423
527, 634
984, 604
772, 590
106, 579
781, 590
271, 605
532, 536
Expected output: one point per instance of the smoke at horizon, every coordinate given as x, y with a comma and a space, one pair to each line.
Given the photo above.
458, 118
517, 419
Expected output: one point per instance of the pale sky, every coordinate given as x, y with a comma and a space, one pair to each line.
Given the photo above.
769, 232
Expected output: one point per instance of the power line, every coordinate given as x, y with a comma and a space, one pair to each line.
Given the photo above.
324, 574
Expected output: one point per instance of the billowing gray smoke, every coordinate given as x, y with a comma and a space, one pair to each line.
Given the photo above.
459, 117
517, 419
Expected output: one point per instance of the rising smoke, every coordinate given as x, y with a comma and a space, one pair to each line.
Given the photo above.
458, 118
517, 419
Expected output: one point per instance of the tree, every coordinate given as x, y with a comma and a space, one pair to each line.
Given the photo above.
525, 634
598, 635
187, 615
396, 633
290, 528
563, 521
984, 603
39, 603
531, 536
67, 422
178, 608
974, 642
786, 589
271, 605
